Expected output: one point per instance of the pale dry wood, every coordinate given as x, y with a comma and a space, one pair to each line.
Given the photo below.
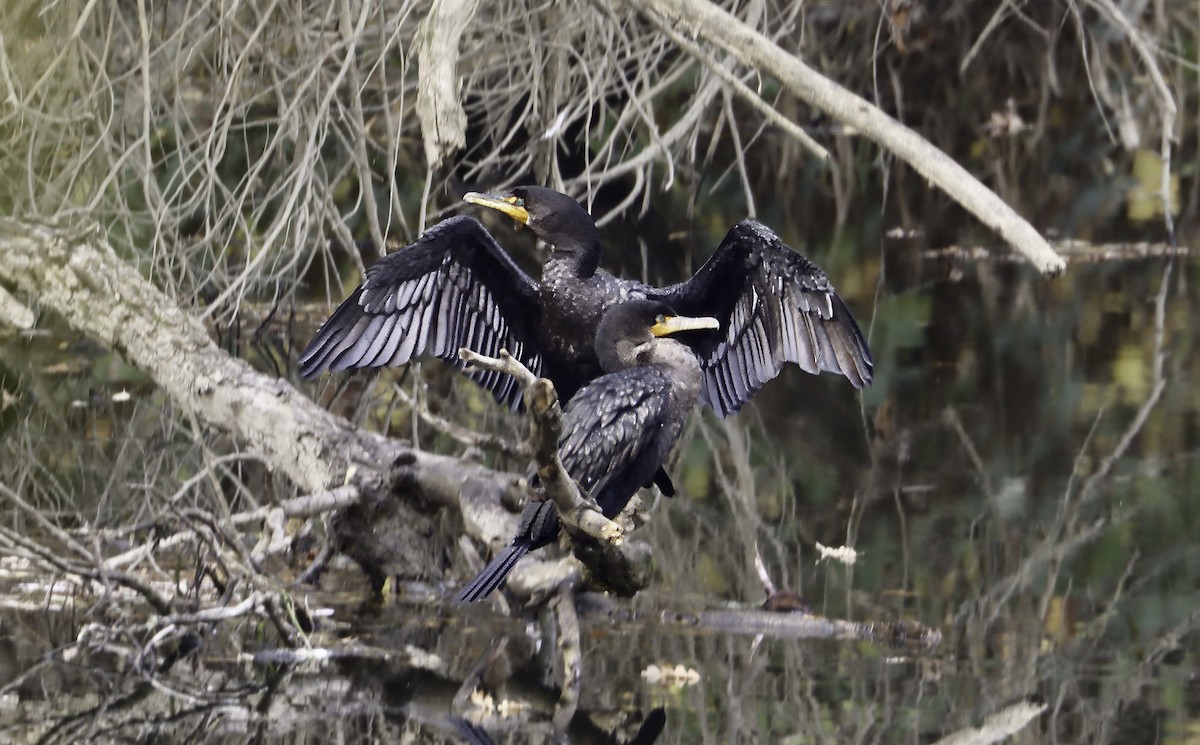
443, 120
997, 727
14, 313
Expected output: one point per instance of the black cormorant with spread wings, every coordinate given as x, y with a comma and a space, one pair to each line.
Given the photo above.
456, 287
618, 429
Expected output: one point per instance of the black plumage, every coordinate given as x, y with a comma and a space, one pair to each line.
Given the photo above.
456, 287
618, 429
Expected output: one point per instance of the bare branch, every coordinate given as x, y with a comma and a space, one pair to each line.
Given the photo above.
13, 312
545, 426
744, 92
443, 121
1166, 101
704, 19
457, 432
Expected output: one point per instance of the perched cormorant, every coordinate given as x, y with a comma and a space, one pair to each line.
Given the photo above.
456, 287
618, 429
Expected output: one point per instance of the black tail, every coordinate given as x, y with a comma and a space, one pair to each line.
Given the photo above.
539, 526
493, 574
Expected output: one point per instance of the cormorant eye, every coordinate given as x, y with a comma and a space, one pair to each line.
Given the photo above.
660, 318
515, 200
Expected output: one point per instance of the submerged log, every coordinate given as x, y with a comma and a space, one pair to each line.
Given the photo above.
809, 626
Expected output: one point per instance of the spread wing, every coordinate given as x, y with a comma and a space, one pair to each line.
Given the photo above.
617, 431
455, 287
774, 306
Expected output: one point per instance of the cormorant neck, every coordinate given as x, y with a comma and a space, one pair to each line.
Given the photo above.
565, 225
621, 355
679, 360
582, 255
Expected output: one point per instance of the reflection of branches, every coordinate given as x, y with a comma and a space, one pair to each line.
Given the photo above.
350, 692
115, 714
1130, 686
1072, 529
951, 418
1158, 384
571, 655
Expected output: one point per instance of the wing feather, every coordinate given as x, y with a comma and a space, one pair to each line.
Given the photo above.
775, 306
453, 287
385, 335
616, 433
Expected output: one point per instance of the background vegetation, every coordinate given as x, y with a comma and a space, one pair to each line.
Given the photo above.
1021, 473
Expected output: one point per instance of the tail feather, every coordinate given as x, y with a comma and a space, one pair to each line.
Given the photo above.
493, 574
539, 527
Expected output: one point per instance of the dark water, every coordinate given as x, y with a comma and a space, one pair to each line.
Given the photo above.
1019, 477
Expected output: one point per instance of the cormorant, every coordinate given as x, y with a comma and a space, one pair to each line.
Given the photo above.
618, 429
456, 287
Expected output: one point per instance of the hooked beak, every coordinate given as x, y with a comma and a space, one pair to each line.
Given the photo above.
512, 206
672, 324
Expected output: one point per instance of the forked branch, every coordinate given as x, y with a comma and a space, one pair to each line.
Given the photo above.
545, 426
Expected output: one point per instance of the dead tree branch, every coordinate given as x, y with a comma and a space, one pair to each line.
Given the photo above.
545, 427
700, 18
381, 488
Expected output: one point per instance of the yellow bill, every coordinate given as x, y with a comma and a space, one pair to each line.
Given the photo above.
665, 325
512, 206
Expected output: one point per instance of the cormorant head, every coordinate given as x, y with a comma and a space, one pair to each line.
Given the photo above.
554, 217
631, 332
